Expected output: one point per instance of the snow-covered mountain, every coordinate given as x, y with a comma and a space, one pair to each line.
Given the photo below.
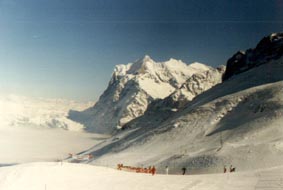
133, 87
195, 85
158, 110
23, 111
238, 121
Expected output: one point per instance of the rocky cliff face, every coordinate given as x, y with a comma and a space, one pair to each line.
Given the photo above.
132, 88
269, 48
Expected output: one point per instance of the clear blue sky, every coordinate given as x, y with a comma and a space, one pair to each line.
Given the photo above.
68, 48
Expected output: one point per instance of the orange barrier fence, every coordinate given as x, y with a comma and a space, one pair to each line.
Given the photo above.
150, 170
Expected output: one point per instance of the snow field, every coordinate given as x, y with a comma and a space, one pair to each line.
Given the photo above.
54, 176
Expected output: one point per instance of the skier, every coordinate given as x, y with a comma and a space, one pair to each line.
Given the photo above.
232, 169
167, 170
225, 169
153, 170
184, 170
149, 169
119, 166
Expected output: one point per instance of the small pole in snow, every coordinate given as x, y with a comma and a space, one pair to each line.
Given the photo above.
221, 140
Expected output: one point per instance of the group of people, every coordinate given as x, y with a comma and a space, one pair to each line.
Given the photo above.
150, 170
231, 169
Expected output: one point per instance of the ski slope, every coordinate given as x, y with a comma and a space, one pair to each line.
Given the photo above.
57, 176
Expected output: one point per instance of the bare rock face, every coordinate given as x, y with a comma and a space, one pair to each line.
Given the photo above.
269, 48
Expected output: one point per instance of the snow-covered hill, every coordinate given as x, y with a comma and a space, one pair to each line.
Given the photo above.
38, 112
132, 88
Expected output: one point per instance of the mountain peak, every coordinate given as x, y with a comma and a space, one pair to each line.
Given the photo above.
146, 58
140, 65
143, 60
199, 66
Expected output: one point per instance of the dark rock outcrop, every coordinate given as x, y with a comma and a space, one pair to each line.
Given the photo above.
269, 48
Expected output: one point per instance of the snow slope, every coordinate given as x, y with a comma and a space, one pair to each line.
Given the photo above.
131, 89
54, 176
